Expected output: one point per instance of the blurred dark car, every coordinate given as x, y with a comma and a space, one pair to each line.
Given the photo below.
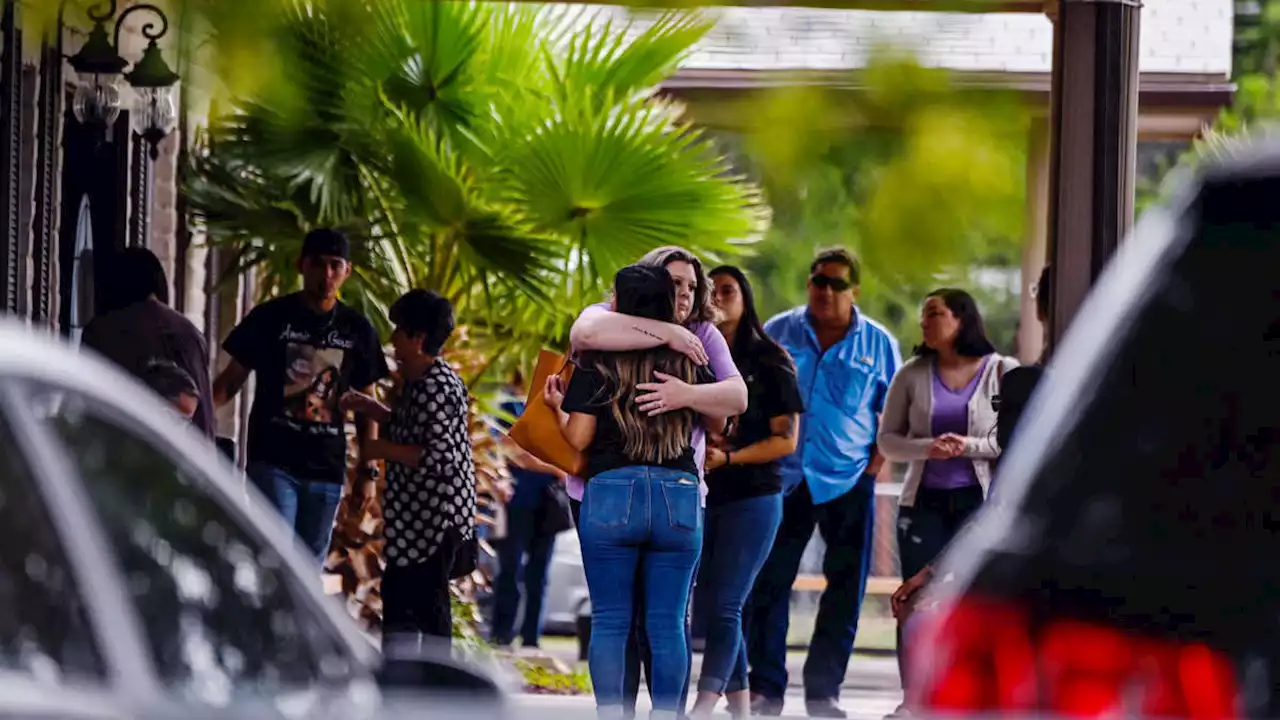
141, 578
1128, 562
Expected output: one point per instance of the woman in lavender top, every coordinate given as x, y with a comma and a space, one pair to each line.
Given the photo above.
695, 335
939, 418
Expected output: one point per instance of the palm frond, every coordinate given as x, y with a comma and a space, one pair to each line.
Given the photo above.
621, 182
431, 178
601, 49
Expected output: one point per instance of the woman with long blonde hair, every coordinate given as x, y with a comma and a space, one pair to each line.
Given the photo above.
641, 517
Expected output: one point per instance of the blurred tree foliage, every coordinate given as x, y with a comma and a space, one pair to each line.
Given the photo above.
923, 180
509, 156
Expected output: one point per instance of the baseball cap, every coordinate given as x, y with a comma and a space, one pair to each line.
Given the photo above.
326, 242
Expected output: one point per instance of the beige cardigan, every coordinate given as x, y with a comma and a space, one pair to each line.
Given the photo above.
907, 423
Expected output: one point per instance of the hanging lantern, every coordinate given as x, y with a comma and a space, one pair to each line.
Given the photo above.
155, 110
99, 69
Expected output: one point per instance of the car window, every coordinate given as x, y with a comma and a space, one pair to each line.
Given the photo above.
44, 631
222, 613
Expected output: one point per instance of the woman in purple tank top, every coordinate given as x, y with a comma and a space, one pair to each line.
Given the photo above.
939, 419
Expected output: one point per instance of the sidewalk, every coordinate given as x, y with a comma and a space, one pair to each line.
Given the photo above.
861, 705
866, 673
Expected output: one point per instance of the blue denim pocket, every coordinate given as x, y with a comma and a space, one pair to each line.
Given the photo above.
607, 502
684, 502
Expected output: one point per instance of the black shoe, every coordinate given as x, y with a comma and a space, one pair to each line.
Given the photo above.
766, 707
827, 708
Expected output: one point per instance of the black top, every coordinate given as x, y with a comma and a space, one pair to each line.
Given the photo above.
772, 391
591, 394
1015, 392
304, 362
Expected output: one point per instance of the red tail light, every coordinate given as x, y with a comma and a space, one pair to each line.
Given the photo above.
985, 656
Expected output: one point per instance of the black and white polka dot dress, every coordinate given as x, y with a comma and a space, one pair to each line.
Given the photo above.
424, 504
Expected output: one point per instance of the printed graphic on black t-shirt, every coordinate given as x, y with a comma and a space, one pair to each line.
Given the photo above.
772, 391
590, 393
303, 362
311, 382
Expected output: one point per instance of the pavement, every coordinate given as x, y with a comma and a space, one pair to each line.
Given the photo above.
860, 704
873, 672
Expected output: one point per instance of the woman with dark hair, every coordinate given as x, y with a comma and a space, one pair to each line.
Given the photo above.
939, 417
640, 522
744, 500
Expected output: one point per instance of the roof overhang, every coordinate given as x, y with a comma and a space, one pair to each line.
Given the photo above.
1156, 89
1174, 106
974, 6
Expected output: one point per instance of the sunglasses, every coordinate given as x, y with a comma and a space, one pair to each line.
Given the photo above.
826, 281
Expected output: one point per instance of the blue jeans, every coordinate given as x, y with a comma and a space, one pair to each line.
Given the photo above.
649, 520
309, 507
522, 539
738, 539
846, 526
637, 656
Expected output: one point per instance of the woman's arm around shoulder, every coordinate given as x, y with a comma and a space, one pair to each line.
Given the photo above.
599, 328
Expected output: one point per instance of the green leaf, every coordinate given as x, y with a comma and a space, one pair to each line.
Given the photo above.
430, 178
624, 181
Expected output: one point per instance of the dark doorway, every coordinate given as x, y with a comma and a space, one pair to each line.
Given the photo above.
95, 197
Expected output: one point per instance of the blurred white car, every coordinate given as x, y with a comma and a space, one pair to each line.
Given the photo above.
141, 578
567, 597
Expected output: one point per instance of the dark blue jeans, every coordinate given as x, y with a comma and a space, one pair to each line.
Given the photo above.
738, 538
640, 525
309, 507
846, 527
523, 539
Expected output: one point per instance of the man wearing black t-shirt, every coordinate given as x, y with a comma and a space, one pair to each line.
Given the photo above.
307, 349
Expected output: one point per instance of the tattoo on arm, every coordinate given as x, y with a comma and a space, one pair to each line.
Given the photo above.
642, 331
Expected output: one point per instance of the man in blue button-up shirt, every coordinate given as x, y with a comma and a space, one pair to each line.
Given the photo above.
844, 361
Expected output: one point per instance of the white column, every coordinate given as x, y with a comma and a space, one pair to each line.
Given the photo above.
1035, 244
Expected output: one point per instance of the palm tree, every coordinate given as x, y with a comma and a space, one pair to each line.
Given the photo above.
507, 155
